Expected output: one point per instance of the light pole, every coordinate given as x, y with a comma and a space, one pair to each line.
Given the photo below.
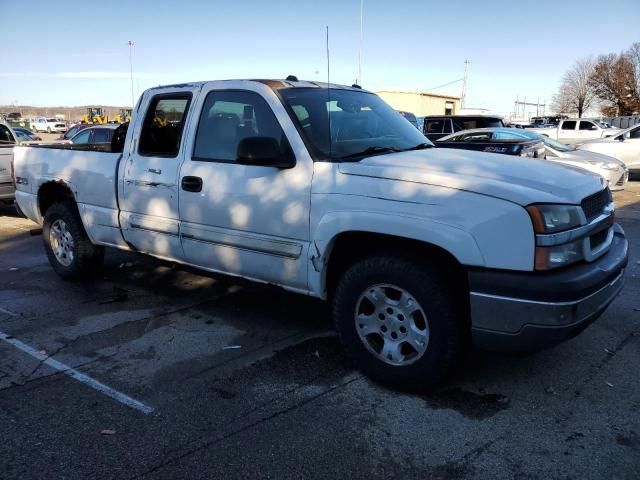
131, 44
359, 82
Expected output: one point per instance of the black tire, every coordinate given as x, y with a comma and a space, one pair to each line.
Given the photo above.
48, 129
445, 320
87, 257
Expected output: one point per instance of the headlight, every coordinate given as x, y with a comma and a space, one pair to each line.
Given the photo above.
605, 165
554, 218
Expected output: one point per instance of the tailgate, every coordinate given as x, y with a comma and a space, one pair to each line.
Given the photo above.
6, 151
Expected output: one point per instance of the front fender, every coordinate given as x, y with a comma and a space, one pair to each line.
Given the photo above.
454, 240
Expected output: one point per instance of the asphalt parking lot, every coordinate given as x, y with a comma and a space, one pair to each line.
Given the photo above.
158, 371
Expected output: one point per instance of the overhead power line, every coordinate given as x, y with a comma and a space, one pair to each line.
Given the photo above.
446, 84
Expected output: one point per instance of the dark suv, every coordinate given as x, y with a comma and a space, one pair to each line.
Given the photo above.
437, 126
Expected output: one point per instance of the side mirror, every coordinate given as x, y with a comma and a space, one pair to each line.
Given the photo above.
620, 138
263, 152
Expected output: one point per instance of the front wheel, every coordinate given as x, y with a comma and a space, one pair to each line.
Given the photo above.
48, 129
70, 252
398, 321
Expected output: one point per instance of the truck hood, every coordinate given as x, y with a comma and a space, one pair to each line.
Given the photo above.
521, 180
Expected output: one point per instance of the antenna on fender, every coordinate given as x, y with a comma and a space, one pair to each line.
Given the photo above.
329, 92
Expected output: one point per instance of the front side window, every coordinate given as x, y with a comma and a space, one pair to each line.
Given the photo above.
587, 126
634, 133
228, 117
5, 136
163, 125
568, 125
82, 137
349, 124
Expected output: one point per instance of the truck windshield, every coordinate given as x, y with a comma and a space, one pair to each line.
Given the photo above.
345, 125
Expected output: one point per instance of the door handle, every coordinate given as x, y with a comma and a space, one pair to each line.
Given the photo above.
157, 171
191, 184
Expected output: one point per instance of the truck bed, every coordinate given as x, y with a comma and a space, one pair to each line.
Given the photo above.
88, 170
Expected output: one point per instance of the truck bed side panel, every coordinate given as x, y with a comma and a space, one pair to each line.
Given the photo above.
90, 175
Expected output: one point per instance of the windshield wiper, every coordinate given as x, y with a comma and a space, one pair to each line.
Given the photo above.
420, 146
371, 151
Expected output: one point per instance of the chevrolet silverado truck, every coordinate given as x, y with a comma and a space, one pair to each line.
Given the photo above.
576, 130
325, 190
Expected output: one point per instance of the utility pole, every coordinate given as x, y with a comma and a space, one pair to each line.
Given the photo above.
463, 97
131, 44
359, 80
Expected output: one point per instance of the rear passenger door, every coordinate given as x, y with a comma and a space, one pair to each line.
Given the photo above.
567, 131
149, 190
245, 219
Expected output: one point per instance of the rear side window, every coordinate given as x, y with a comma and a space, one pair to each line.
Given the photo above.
102, 135
569, 125
230, 116
433, 126
476, 137
163, 125
447, 126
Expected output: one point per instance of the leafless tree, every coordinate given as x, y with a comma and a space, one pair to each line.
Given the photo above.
576, 93
560, 103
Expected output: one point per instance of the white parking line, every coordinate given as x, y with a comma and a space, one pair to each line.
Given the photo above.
75, 374
8, 312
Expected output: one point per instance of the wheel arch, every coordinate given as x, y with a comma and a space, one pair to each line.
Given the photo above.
53, 191
349, 246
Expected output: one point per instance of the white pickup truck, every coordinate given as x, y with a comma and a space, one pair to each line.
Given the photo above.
49, 125
329, 192
576, 130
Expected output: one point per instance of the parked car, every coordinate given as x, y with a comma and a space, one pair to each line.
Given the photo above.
438, 126
574, 130
49, 125
609, 168
411, 118
624, 146
494, 140
95, 134
73, 130
7, 142
24, 135
417, 248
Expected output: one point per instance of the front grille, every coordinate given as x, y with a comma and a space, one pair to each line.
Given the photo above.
594, 205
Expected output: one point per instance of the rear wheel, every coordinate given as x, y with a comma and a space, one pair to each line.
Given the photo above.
70, 252
398, 321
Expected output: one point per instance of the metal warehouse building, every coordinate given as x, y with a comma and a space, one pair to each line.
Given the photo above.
421, 103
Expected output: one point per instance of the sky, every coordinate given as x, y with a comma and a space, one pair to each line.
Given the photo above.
70, 53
